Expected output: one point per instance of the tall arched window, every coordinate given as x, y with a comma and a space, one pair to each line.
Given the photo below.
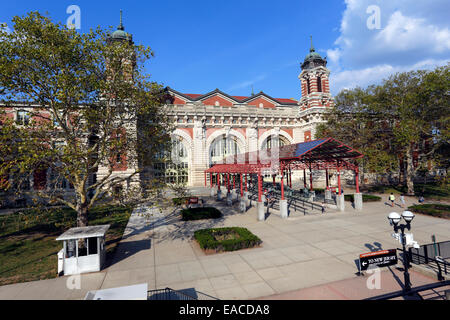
223, 147
173, 168
274, 141
319, 84
308, 85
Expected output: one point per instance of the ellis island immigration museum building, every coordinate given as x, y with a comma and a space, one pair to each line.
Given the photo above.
214, 125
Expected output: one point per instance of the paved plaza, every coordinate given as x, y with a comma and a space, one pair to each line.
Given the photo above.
303, 251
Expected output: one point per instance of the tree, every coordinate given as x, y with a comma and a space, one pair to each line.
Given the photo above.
353, 122
92, 111
418, 102
403, 119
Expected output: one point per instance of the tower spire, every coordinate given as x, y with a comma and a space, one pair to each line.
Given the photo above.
312, 46
121, 22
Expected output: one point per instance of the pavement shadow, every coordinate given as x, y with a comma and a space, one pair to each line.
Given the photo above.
376, 246
389, 205
126, 249
172, 227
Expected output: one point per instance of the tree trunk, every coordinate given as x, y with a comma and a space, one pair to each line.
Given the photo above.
410, 171
82, 218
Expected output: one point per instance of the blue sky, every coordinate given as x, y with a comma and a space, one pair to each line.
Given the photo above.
234, 45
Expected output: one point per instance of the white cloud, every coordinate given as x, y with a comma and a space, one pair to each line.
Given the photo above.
402, 34
347, 79
334, 55
412, 34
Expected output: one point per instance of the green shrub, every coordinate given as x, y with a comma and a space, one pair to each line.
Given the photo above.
234, 238
179, 201
432, 209
365, 197
200, 213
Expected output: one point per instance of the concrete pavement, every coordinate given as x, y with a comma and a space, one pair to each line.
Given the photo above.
298, 252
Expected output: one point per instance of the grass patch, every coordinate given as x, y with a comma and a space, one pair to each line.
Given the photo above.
432, 209
27, 239
200, 213
226, 239
365, 198
429, 191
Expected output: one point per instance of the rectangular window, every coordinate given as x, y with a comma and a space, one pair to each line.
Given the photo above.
23, 118
92, 245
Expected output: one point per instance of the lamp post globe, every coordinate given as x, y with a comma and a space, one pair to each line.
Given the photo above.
408, 216
394, 218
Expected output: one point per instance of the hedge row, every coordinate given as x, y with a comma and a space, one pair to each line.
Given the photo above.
200, 213
365, 197
432, 209
207, 239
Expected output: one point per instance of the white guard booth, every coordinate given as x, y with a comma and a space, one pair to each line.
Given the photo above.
76, 259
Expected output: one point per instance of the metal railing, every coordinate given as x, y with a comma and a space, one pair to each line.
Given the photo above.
295, 201
434, 255
431, 250
171, 294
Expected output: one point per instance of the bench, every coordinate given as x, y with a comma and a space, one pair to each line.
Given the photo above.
194, 201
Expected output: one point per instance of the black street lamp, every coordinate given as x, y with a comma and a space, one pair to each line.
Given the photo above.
394, 219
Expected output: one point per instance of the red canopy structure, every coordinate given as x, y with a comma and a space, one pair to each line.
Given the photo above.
322, 154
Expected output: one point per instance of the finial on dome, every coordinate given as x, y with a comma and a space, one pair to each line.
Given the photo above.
312, 46
121, 22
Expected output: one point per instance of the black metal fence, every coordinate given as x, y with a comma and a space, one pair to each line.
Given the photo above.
435, 255
170, 294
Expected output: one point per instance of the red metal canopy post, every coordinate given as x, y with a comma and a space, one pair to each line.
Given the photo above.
357, 179
339, 179
259, 187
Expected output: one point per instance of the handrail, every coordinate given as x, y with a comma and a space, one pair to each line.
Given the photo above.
296, 202
168, 292
428, 260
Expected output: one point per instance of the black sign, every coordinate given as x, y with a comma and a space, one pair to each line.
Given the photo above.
381, 258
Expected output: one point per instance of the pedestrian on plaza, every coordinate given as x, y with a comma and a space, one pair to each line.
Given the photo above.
392, 199
421, 199
402, 200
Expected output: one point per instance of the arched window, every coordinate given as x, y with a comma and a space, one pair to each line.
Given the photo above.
319, 84
173, 169
308, 85
274, 141
223, 147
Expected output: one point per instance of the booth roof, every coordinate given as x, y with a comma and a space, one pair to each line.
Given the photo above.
84, 232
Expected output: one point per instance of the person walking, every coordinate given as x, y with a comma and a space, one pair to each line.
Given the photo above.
392, 199
402, 200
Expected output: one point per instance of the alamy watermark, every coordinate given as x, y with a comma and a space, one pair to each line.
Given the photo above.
374, 20
74, 20
374, 281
